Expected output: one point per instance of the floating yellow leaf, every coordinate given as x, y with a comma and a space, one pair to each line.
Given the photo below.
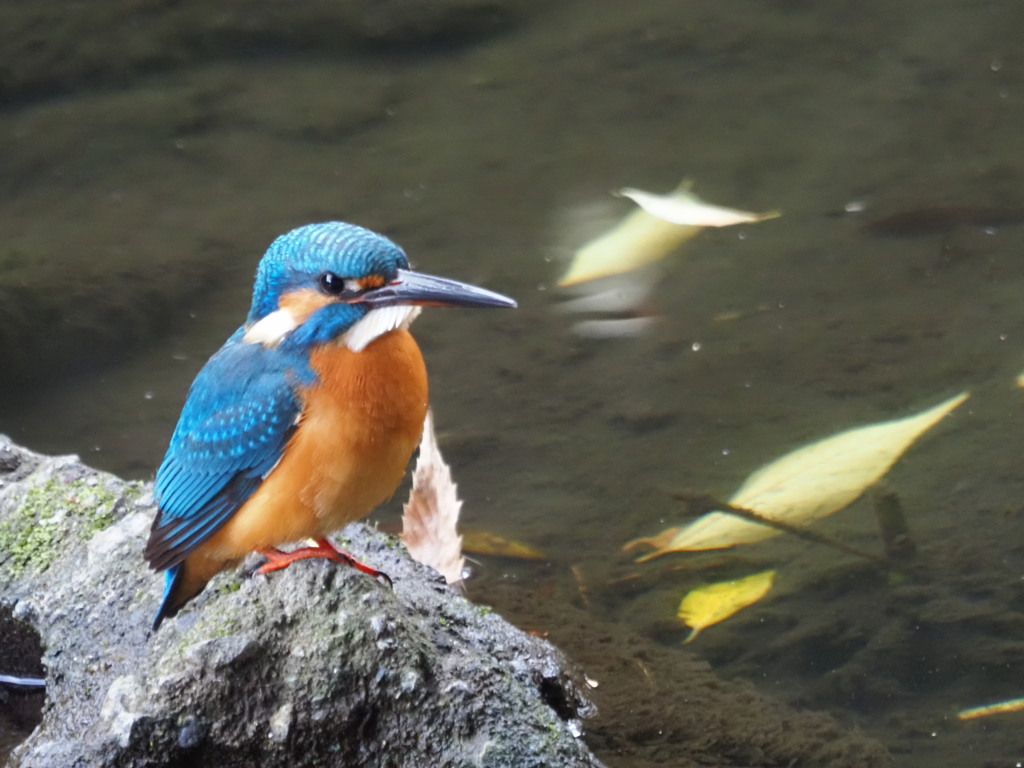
807, 484
1013, 705
487, 543
684, 207
711, 604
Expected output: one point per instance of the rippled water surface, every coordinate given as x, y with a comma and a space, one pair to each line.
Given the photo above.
135, 210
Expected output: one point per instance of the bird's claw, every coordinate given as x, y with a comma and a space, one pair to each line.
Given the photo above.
277, 559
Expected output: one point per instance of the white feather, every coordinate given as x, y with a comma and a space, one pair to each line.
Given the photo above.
376, 323
269, 330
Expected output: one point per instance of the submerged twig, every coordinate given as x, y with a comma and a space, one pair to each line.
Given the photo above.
893, 525
581, 584
701, 504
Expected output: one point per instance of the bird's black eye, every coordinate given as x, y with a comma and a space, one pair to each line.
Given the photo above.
331, 284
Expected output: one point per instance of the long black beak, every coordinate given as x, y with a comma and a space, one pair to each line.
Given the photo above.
427, 290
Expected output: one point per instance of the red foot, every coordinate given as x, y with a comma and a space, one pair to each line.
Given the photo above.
276, 559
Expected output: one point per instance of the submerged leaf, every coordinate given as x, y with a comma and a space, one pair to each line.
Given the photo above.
807, 484
684, 207
712, 603
660, 541
430, 517
999, 708
487, 543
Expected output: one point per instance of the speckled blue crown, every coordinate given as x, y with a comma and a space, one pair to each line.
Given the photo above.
332, 246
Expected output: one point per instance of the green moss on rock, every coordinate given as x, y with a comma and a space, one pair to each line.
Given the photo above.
31, 537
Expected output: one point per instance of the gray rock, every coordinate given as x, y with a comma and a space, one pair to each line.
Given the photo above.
314, 665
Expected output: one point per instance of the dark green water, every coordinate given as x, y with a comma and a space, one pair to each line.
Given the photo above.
136, 207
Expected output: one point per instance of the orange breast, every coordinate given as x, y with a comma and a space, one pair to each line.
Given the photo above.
359, 426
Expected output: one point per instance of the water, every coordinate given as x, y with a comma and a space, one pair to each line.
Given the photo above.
142, 203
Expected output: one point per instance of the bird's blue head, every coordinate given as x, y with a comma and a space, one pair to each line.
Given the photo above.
321, 281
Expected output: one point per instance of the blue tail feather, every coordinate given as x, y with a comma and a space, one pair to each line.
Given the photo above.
168, 608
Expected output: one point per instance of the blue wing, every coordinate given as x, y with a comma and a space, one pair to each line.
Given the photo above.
240, 412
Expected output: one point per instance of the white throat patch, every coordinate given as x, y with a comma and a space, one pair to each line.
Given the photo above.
269, 330
376, 323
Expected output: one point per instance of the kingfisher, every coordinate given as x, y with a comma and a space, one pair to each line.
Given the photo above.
305, 419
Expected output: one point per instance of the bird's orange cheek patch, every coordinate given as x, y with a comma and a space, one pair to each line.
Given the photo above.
302, 303
371, 281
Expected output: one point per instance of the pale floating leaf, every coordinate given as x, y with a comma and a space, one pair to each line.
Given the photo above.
638, 240
685, 208
660, 225
712, 603
430, 517
810, 483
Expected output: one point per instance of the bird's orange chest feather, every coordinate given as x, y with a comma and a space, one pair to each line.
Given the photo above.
370, 396
359, 425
